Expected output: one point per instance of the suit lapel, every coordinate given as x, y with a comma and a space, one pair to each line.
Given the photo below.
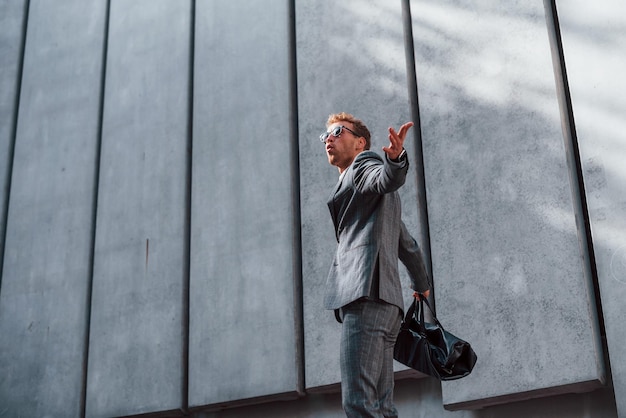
333, 205
336, 201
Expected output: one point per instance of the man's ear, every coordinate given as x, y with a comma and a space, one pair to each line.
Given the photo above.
362, 143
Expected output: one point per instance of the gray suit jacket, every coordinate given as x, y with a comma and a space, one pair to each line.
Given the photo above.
366, 212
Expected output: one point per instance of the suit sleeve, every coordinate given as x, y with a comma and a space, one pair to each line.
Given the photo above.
374, 175
410, 254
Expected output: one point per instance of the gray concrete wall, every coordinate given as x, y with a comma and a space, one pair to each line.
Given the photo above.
421, 398
12, 20
595, 70
167, 236
137, 331
508, 268
245, 341
47, 261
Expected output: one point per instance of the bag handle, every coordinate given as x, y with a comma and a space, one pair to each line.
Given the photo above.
423, 301
411, 312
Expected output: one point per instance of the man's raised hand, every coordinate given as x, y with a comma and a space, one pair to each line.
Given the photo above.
396, 141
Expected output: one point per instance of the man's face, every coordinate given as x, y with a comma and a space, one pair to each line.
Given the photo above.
342, 150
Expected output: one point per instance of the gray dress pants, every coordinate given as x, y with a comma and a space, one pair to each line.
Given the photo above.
369, 332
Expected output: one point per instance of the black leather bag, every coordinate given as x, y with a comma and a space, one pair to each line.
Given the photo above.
430, 349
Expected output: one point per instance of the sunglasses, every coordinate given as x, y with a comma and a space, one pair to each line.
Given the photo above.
336, 131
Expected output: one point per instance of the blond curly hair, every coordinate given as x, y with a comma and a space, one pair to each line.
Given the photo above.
359, 126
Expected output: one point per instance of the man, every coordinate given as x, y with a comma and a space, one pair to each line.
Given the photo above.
363, 286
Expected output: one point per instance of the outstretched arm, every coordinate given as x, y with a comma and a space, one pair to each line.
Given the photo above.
372, 176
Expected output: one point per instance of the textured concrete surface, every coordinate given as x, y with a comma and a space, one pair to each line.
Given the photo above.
12, 22
243, 330
350, 58
592, 37
422, 398
136, 344
206, 190
43, 303
507, 265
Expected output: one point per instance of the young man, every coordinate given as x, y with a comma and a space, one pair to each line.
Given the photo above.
363, 286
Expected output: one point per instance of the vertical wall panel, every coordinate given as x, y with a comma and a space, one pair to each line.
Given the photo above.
12, 21
49, 231
350, 58
243, 336
508, 268
136, 346
594, 38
